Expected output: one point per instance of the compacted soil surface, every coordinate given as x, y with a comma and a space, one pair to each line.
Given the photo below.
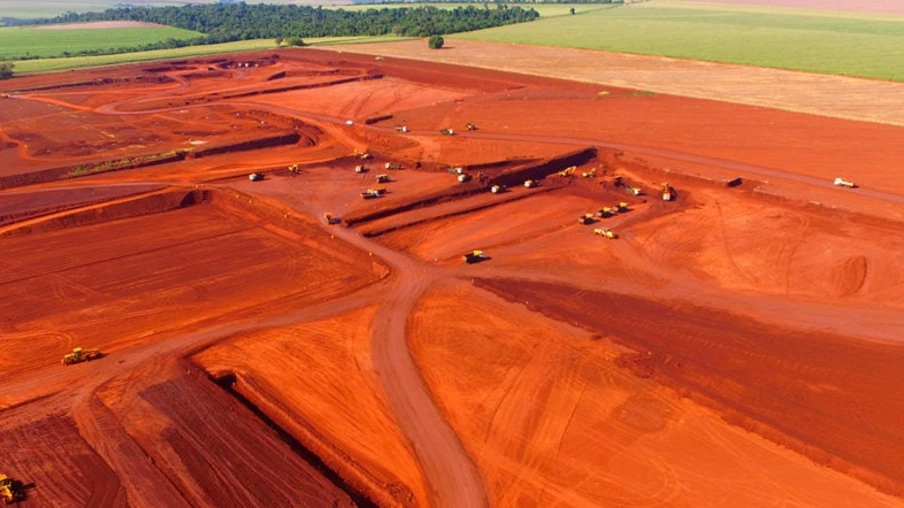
268, 251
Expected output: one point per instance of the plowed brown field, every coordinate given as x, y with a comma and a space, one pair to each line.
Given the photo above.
738, 345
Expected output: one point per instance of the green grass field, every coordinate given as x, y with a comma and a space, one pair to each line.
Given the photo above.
833, 43
55, 64
20, 41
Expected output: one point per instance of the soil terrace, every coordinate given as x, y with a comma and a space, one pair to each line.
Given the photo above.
283, 339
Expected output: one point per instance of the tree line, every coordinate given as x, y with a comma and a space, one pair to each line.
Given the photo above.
242, 21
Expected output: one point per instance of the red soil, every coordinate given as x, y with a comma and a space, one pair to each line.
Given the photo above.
737, 340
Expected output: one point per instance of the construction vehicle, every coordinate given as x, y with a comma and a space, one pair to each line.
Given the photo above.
622, 207
635, 191
471, 127
256, 177
667, 193
447, 132
456, 171
10, 491
372, 193
402, 128
360, 169
464, 177
383, 178
361, 155
530, 184
841, 182
390, 165
293, 168
606, 233
79, 355
585, 219
589, 174
328, 217
475, 256
606, 212
568, 171
497, 189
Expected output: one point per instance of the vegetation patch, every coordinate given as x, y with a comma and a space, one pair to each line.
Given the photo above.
26, 42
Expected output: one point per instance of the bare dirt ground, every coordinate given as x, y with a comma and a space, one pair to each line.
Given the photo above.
738, 345
817, 94
875, 6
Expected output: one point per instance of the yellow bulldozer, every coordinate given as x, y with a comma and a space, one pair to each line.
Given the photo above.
10, 491
475, 256
79, 355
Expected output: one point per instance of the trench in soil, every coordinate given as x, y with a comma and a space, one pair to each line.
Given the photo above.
227, 382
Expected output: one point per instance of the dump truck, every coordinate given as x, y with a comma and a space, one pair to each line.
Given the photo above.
568, 171
622, 207
464, 177
361, 155
447, 132
10, 491
474, 256
667, 193
256, 177
360, 169
457, 170
371, 193
605, 233
79, 355
329, 219
497, 189
293, 168
391, 165
841, 182
383, 178
606, 212
585, 219
402, 128
634, 191
530, 184
471, 127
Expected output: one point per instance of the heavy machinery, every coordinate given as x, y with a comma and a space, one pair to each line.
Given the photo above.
447, 132
841, 182
79, 355
256, 177
497, 189
589, 174
475, 256
361, 155
471, 127
606, 212
635, 191
383, 178
360, 169
530, 184
10, 491
456, 171
328, 217
402, 128
585, 219
391, 165
605, 233
568, 171
464, 177
372, 193
293, 168
622, 207
667, 193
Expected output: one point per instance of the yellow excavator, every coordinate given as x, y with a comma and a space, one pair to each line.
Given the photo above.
10, 491
79, 355
475, 256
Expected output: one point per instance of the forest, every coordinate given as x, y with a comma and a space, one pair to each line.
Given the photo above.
240, 21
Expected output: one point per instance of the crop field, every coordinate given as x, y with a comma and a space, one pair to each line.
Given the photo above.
56, 64
22, 41
851, 44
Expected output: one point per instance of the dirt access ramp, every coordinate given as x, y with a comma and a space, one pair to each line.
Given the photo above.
817, 94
